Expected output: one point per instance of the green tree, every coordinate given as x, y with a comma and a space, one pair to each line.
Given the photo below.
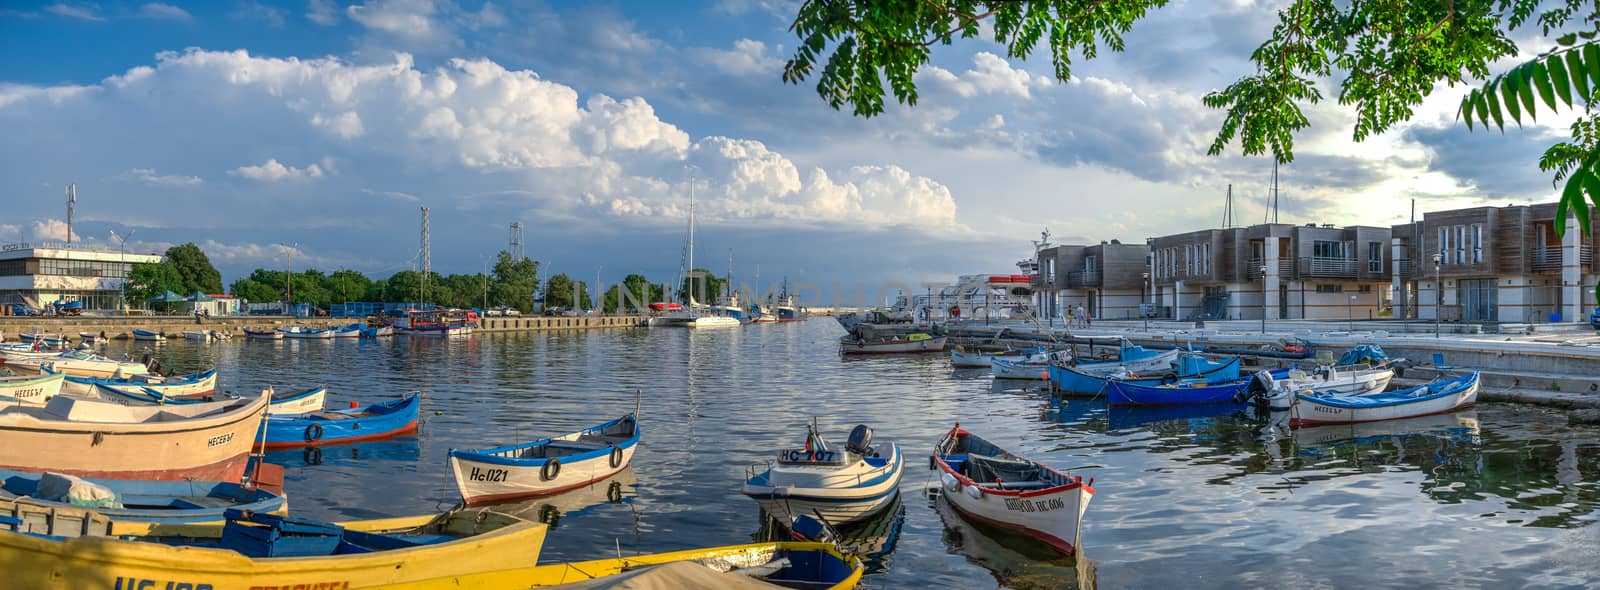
642, 293
344, 286
146, 281
194, 269
515, 282
705, 287
558, 291
254, 292
1391, 55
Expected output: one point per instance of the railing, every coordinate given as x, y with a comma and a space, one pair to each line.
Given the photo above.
1285, 268
1549, 257
1403, 268
1323, 266
1091, 277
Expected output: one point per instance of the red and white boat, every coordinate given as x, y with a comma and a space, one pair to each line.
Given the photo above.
993, 486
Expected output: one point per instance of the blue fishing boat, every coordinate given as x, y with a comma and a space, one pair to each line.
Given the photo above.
1127, 393
148, 336
1091, 378
380, 420
165, 502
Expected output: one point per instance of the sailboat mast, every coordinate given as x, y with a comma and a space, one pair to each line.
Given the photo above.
689, 286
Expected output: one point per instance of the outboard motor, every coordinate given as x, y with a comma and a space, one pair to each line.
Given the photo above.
1258, 390
860, 441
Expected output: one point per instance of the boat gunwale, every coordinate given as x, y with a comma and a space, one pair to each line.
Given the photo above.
488, 455
1072, 481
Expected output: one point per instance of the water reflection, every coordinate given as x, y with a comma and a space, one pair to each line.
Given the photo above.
1015, 560
552, 510
872, 539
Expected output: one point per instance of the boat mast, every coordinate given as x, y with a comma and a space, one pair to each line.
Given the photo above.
689, 286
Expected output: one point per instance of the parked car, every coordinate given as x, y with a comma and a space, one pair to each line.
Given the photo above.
1594, 319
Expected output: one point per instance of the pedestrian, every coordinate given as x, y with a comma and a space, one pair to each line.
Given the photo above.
1080, 314
1070, 320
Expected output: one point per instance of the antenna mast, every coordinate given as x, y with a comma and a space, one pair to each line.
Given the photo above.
427, 263
1227, 209
516, 241
72, 203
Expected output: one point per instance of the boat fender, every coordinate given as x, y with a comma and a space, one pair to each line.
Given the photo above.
931, 465
551, 469
313, 456
976, 493
616, 456
950, 482
614, 492
314, 432
1169, 379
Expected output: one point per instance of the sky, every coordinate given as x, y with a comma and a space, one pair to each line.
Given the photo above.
321, 127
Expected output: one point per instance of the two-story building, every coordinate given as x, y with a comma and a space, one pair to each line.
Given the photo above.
45, 274
1106, 279
1494, 264
1272, 271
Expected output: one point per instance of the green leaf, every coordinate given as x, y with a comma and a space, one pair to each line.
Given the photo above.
1573, 193
1558, 78
1591, 58
1580, 209
1524, 75
1579, 75
1508, 92
1567, 39
1541, 80
1465, 112
1493, 103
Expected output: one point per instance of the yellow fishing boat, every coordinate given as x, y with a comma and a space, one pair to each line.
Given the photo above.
788, 564
458, 549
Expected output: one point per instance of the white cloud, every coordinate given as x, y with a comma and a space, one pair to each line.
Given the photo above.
78, 11
159, 10
148, 176
396, 195
52, 230
273, 171
406, 18
748, 57
346, 125
10, 233
990, 75
322, 12
256, 11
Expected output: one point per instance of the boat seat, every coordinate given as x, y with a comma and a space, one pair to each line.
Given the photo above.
578, 445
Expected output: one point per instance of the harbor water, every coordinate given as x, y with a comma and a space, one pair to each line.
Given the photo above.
1501, 495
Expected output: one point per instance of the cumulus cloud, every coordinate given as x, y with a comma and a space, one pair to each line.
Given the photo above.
159, 10
322, 12
150, 177
990, 75
406, 18
78, 11
274, 171
52, 230
748, 57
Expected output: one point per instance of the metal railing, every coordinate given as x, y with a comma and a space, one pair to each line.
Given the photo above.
1403, 268
1324, 266
1549, 257
1091, 277
1285, 268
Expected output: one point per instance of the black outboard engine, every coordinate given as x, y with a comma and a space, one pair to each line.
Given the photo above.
1259, 390
860, 441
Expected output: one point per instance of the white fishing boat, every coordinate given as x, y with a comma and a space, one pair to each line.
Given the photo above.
1358, 380
991, 485
79, 363
93, 438
840, 485
910, 343
546, 466
962, 358
290, 404
173, 386
1033, 364
29, 390
269, 334
91, 337
197, 335
1438, 397
302, 332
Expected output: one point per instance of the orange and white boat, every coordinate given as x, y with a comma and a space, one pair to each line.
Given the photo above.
993, 486
92, 438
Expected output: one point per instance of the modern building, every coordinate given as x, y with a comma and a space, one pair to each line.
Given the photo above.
50, 273
1271, 271
1106, 279
1496, 264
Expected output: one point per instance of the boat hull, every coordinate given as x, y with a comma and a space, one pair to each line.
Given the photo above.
843, 497
962, 359
1020, 369
1090, 378
30, 390
212, 447
305, 402
366, 423
1314, 410
840, 572
188, 385
1051, 515
1122, 393
192, 502
495, 475
893, 347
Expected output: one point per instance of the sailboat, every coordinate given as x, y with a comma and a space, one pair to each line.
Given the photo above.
688, 317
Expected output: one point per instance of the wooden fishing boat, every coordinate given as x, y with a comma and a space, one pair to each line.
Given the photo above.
1354, 380
79, 363
961, 358
347, 331
50, 340
1091, 378
377, 332
1140, 392
168, 502
293, 404
912, 343
93, 438
197, 335
18, 352
91, 338
253, 334
545, 466
991, 485
69, 548
302, 332
148, 336
197, 384
1033, 364
29, 390
817, 566
843, 485
380, 420
1438, 397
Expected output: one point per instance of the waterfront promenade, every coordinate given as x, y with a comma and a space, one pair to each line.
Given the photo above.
122, 327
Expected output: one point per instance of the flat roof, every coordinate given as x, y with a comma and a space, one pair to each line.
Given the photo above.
62, 252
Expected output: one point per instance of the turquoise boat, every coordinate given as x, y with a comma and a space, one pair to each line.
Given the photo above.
165, 502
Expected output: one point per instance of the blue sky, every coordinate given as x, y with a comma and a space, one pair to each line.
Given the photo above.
325, 124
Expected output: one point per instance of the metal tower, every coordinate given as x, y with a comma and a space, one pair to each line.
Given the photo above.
516, 240
72, 203
427, 264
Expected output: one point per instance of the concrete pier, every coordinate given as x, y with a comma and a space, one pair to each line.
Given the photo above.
116, 327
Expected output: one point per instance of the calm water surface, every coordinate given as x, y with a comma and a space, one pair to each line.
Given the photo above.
1498, 496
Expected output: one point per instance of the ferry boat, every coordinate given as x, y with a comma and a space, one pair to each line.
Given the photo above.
438, 322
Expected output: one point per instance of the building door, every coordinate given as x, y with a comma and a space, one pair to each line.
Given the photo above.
1283, 301
1479, 300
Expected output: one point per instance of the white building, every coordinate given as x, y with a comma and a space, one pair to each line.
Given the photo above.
50, 273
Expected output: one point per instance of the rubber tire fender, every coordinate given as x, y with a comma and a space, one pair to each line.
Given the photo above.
551, 469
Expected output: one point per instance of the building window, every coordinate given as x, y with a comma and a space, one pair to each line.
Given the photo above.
1330, 288
1050, 271
1461, 244
1327, 249
1444, 245
1205, 258
1365, 289
1374, 257
1477, 243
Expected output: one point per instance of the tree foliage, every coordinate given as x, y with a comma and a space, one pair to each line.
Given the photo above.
1391, 56
515, 282
146, 281
704, 286
195, 272
640, 293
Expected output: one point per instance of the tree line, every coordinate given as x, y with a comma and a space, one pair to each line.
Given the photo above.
512, 283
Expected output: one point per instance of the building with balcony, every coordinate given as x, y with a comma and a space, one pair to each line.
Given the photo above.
45, 274
1495, 264
1106, 279
1272, 271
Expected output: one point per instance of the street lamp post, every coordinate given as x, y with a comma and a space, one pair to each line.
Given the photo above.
1350, 312
1142, 296
1438, 295
122, 290
1263, 299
